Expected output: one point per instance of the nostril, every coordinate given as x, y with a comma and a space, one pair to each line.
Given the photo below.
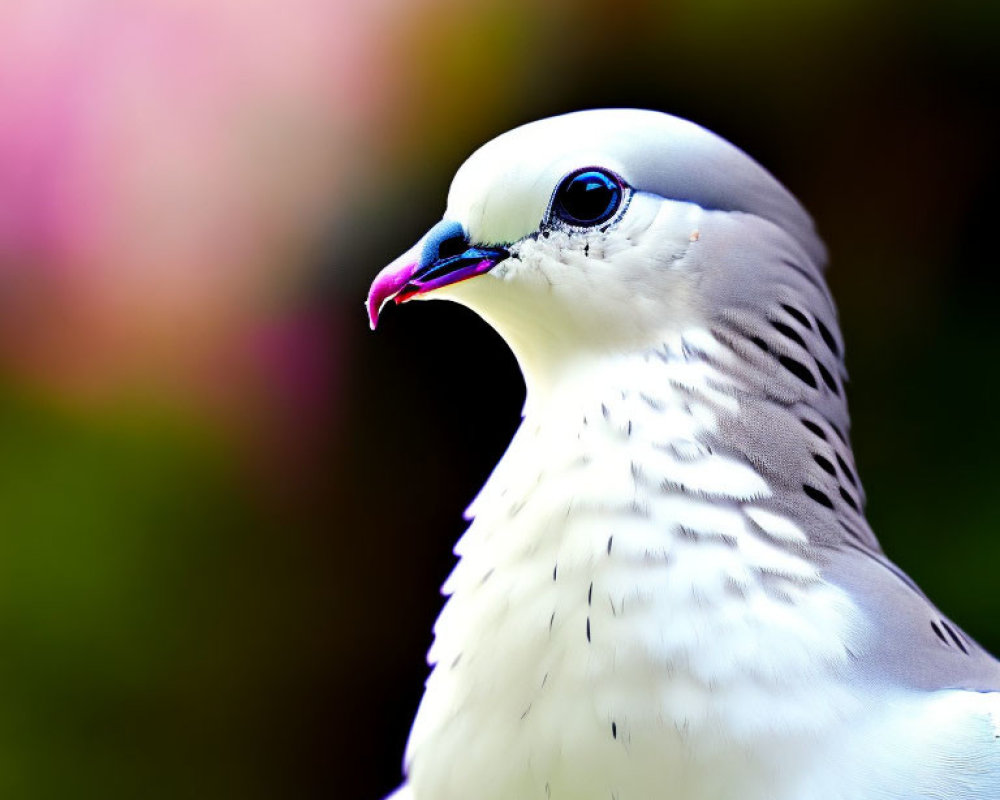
452, 246
445, 240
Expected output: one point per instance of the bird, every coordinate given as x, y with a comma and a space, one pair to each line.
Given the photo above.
668, 588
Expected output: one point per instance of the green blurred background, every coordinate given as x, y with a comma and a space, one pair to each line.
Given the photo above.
225, 506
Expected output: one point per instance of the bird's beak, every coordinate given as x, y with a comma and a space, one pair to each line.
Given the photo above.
418, 272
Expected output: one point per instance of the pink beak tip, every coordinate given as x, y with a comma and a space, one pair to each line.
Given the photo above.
387, 285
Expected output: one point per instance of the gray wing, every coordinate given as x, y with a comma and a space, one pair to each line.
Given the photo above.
910, 642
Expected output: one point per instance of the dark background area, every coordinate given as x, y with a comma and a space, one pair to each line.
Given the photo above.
229, 592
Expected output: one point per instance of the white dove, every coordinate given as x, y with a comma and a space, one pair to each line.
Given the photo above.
669, 590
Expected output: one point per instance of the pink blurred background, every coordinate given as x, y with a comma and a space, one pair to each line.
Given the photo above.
165, 167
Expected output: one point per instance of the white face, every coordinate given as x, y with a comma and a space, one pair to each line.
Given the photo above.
572, 287
503, 190
569, 290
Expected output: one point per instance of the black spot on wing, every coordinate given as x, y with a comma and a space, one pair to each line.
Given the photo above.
797, 315
838, 482
948, 636
817, 495
955, 637
824, 464
846, 496
939, 634
827, 337
799, 370
816, 429
848, 473
789, 333
784, 347
828, 378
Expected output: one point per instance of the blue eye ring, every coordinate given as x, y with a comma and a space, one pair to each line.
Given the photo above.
588, 197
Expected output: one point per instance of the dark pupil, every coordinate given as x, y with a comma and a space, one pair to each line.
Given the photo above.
589, 197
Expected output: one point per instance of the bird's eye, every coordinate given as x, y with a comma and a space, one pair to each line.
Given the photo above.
588, 197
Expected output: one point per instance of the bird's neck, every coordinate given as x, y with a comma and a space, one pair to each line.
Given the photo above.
616, 547
653, 445
657, 423
706, 396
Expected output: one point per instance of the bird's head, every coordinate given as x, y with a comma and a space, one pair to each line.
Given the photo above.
603, 231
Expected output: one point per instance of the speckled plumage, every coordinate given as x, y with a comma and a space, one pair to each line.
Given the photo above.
669, 590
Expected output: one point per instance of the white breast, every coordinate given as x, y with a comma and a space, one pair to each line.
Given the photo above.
617, 626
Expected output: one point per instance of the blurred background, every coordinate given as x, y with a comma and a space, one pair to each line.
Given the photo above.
225, 505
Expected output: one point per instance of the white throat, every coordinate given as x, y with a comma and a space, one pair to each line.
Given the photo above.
565, 302
615, 595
